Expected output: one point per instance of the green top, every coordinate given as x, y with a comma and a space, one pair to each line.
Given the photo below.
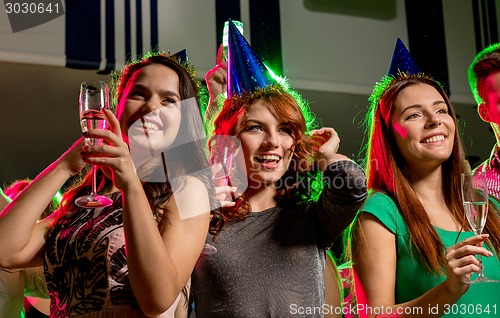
412, 280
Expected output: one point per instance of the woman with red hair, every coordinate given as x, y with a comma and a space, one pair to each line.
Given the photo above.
271, 244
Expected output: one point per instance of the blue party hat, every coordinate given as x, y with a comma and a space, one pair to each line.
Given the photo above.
181, 56
402, 67
246, 71
402, 61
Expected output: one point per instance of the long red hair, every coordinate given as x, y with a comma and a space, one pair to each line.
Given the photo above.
285, 107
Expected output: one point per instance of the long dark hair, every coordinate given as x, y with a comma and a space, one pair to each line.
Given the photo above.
386, 173
158, 193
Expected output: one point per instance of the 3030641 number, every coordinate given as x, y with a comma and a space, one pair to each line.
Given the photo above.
31, 8
471, 309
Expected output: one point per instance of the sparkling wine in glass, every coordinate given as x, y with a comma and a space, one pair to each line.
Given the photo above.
475, 200
93, 99
223, 149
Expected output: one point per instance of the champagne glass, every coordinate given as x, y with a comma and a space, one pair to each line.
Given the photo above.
93, 99
222, 152
475, 200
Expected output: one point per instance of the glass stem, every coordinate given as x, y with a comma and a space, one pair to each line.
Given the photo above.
94, 181
481, 267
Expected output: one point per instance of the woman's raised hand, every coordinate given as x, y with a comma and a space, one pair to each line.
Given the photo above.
216, 80
113, 153
326, 142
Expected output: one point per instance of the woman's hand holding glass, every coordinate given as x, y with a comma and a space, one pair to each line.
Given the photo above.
475, 201
461, 262
223, 193
93, 99
223, 152
113, 153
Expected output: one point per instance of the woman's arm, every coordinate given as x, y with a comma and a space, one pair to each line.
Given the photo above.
374, 260
159, 263
344, 186
182, 309
21, 237
343, 195
327, 142
216, 80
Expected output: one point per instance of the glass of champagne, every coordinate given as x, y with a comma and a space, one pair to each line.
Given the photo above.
93, 99
475, 200
223, 149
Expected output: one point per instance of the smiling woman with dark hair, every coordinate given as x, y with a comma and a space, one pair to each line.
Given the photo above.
411, 246
133, 258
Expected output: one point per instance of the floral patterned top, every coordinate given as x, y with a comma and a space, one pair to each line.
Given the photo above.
86, 266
